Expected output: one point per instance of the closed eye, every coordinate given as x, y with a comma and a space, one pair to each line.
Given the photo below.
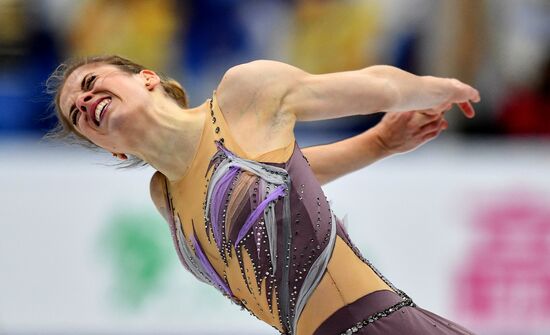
87, 85
89, 82
74, 115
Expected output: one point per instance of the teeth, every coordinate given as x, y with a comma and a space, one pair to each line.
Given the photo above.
100, 107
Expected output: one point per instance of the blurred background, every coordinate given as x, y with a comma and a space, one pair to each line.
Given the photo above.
461, 224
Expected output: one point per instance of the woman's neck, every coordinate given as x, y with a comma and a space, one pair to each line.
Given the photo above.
173, 139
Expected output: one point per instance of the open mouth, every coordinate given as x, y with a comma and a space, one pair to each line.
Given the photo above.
100, 110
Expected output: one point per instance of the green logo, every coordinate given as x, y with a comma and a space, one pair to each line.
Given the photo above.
137, 246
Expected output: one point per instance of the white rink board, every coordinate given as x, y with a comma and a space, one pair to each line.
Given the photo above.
412, 215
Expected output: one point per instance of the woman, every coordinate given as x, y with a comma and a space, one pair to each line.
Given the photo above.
244, 204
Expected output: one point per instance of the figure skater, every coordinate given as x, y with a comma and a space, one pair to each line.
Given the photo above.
243, 201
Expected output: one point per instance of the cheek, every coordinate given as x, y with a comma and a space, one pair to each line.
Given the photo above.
121, 115
83, 128
116, 115
125, 124
93, 136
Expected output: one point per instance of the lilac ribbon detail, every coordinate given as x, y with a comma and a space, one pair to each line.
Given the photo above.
221, 189
220, 146
208, 267
258, 211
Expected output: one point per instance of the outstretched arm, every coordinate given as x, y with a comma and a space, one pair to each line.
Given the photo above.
395, 133
307, 97
275, 95
374, 89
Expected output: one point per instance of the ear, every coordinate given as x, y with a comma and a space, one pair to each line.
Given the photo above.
120, 156
150, 78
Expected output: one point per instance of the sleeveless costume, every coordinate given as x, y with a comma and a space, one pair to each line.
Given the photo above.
261, 231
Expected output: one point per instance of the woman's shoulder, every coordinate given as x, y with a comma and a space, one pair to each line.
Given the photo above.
265, 66
260, 77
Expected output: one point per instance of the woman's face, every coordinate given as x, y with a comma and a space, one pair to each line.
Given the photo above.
107, 105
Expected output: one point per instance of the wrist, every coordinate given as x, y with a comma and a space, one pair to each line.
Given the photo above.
424, 92
437, 89
378, 144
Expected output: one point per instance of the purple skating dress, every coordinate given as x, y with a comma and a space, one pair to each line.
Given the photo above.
261, 231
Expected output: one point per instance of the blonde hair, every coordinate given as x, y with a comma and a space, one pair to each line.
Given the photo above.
64, 130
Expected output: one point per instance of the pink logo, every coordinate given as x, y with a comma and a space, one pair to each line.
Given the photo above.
505, 282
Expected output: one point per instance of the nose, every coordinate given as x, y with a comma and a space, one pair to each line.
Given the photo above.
83, 101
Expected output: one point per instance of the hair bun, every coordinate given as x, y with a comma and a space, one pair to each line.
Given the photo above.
175, 91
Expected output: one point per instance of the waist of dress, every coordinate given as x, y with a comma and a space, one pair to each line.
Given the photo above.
364, 311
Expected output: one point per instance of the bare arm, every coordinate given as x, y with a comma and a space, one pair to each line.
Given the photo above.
289, 90
334, 160
277, 95
373, 89
395, 133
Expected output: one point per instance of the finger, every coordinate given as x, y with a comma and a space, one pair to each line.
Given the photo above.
430, 127
430, 136
444, 107
467, 109
431, 114
473, 94
477, 97
402, 116
464, 91
428, 119
437, 109
444, 125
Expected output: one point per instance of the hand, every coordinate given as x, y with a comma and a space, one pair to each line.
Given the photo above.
453, 92
399, 132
